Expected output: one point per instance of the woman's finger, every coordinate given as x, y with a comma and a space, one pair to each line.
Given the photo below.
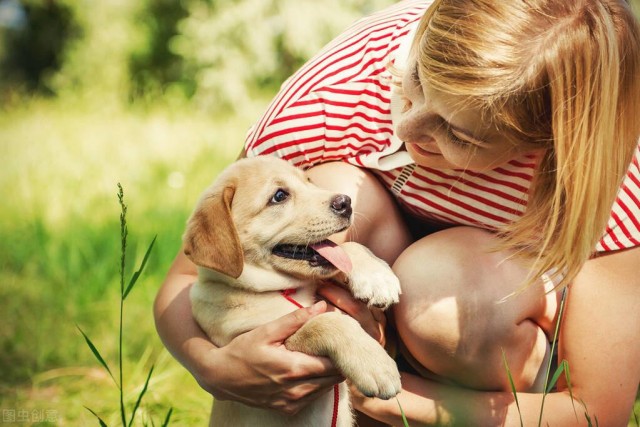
342, 299
302, 367
280, 329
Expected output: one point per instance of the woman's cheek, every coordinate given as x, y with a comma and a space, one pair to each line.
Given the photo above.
457, 156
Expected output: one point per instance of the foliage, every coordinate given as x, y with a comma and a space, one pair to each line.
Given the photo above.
225, 53
33, 38
635, 6
155, 69
59, 251
95, 65
240, 50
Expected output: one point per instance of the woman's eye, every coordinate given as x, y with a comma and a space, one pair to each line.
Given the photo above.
454, 138
415, 76
463, 143
279, 196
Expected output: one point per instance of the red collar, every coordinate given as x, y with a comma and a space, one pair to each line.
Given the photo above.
286, 293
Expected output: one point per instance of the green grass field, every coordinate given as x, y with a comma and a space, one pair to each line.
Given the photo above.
60, 248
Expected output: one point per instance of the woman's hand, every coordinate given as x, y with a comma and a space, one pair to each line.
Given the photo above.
256, 369
372, 320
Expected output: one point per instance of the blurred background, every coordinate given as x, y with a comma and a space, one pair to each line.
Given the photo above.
156, 95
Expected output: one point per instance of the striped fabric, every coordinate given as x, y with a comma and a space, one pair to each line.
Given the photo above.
339, 107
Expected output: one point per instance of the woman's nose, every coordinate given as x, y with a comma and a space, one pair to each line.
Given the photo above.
416, 125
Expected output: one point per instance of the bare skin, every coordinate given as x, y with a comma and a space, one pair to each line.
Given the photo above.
597, 340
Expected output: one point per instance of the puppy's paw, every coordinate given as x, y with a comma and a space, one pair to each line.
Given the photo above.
374, 374
371, 279
378, 286
360, 358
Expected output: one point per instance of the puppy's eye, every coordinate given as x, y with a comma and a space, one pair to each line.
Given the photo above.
279, 196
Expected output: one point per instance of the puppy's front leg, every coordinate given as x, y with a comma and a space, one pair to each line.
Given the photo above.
358, 356
371, 279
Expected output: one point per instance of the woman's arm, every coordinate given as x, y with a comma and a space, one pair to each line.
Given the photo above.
255, 368
600, 339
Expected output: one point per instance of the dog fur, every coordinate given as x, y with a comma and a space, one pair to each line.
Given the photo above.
235, 237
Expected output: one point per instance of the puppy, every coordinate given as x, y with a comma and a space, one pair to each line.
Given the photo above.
263, 228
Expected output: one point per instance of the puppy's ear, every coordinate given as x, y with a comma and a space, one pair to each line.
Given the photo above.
211, 239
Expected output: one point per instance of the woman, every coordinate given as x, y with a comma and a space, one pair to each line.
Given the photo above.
500, 168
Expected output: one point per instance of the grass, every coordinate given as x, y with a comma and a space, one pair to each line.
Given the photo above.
550, 382
124, 292
60, 246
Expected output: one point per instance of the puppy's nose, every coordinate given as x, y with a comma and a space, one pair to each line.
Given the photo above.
341, 205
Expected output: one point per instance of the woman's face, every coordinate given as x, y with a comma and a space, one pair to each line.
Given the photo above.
441, 133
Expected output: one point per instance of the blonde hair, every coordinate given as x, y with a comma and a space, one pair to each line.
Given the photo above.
562, 74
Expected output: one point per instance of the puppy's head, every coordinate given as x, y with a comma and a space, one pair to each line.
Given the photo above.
265, 212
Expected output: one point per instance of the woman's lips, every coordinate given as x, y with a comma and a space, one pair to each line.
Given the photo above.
422, 150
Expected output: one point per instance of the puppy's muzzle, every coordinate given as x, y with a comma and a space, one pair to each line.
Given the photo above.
341, 205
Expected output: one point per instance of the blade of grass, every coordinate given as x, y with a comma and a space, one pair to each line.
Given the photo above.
97, 355
123, 235
100, 420
123, 254
587, 416
556, 376
144, 390
567, 377
404, 418
512, 385
123, 294
167, 418
590, 421
563, 367
136, 275
552, 351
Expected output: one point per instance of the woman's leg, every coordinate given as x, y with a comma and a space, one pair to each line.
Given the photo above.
453, 317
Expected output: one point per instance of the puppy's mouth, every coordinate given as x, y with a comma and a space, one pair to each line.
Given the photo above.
321, 254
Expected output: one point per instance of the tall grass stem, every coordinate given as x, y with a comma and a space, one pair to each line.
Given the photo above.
552, 351
512, 385
123, 294
123, 253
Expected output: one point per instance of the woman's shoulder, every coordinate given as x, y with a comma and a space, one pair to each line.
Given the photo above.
623, 229
349, 74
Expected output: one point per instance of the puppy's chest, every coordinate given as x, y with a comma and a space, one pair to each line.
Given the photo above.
224, 312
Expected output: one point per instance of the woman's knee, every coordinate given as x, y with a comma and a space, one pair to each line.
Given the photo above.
436, 302
377, 223
451, 318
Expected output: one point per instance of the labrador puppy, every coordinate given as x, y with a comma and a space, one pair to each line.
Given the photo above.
259, 237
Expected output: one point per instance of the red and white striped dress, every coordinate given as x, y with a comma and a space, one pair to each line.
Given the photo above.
341, 106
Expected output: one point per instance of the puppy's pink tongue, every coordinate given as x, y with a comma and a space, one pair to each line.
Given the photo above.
334, 254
